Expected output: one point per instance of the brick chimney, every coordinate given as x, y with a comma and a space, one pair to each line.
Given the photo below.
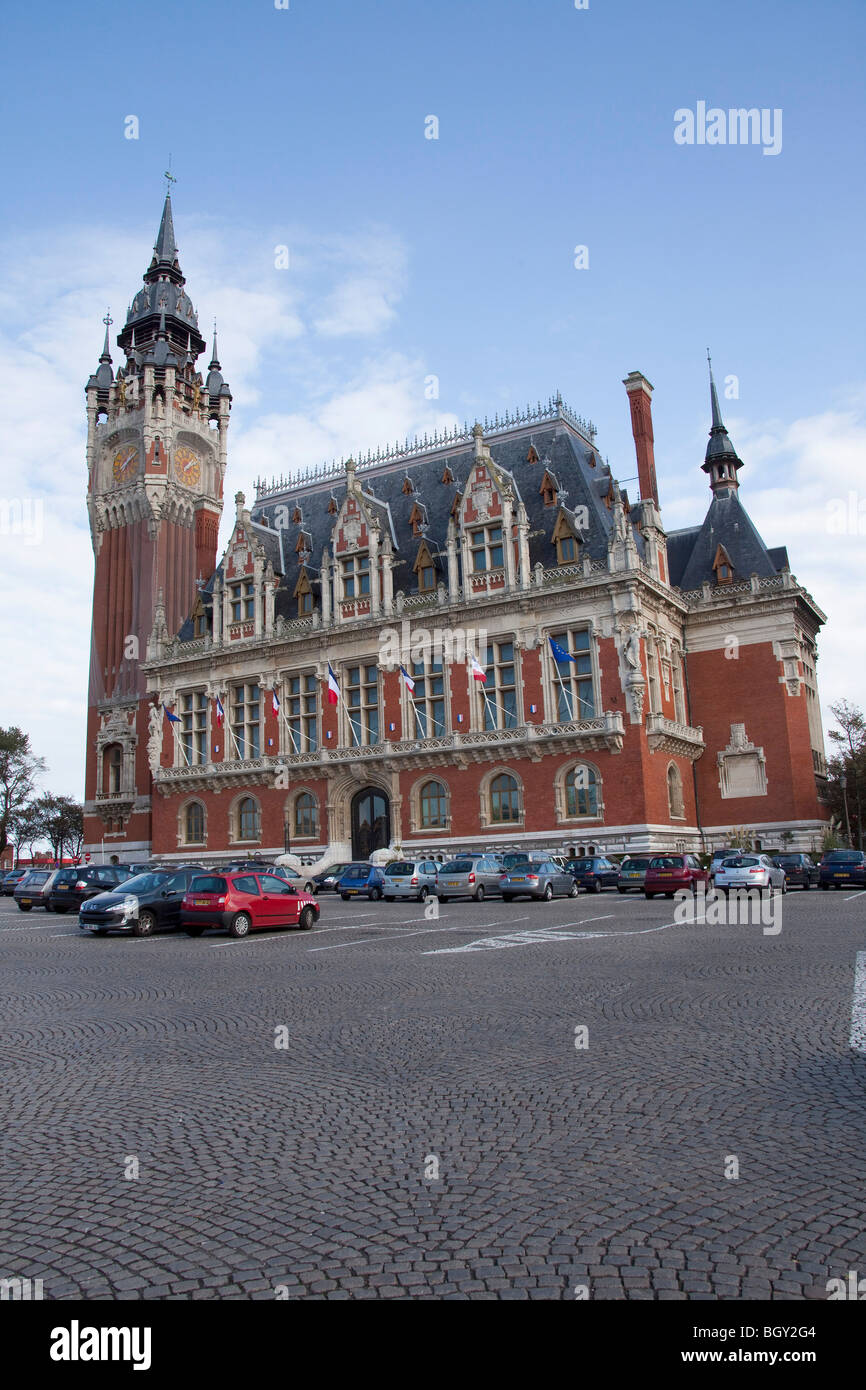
640, 394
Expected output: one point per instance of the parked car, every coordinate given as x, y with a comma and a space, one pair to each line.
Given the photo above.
469, 876
669, 872
327, 880
28, 891
280, 870
362, 880
72, 887
243, 902
141, 905
750, 871
11, 881
594, 873
409, 878
538, 879
632, 873
798, 868
719, 857
842, 868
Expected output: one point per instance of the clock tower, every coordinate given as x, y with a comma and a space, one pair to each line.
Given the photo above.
156, 459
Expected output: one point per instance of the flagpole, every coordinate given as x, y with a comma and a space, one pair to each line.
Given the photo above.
566, 693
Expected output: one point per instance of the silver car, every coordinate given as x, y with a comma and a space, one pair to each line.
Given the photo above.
632, 873
409, 878
750, 871
469, 876
538, 878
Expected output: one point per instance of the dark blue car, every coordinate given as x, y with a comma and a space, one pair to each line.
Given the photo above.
361, 881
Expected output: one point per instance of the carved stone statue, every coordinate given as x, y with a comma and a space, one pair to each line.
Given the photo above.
631, 649
154, 738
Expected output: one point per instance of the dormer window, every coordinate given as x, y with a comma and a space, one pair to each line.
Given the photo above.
566, 542
447, 476
722, 567
425, 569
532, 456
332, 506
304, 594
485, 548
417, 519
356, 576
242, 598
549, 489
296, 516
408, 489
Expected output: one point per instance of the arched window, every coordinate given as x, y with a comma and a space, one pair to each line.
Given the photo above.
581, 792
675, 792
306, 816
248, 819
504, 799
433, 802
193, 824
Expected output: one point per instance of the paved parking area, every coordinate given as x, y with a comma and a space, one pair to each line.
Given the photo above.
512, 1101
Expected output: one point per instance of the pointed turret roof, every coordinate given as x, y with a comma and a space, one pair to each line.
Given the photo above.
719, 446
165, 246
162, 306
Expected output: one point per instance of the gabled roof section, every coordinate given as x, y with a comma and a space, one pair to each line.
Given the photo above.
728, 524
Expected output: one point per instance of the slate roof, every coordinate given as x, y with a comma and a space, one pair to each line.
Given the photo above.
691, 551
583, 478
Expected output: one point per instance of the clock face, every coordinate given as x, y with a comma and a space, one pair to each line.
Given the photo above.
187, 466
125, 463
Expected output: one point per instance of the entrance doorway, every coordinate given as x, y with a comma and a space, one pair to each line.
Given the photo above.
371, 822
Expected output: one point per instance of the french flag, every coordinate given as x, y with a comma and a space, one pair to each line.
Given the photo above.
478, 671
407, 680
220, 712
333, 687
275, 703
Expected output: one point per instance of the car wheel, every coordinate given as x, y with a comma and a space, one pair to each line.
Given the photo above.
345, 897
307, 918
825, 886
98, 931
145, 924
479, 893
24, 907
806, 885
649, 895
423, 894
193, 931
548, 892
442, 898
240, 925
61, 910
783, 890
574, 890
508, 897
375, 894
668, 895
622, 890
596, 887
309, 887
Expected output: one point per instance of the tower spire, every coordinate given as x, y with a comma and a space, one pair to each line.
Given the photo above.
106, 351
720, 461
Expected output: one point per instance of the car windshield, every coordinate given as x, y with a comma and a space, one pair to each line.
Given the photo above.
844, 856
400, 868
207, 883
581, 864
788, 858
333, 871
145, 883
357, 871
740, 862
35, 876
666, 861
509, 860
635, 864
457, 866
66, 876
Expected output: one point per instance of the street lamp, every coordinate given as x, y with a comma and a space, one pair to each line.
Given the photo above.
843, 783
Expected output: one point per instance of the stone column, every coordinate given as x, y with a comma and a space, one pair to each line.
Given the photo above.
453, 573
523, 546
375, 588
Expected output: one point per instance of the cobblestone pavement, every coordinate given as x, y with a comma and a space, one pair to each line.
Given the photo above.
311, 1170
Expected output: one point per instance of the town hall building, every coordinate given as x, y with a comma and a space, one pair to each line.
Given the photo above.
318, 687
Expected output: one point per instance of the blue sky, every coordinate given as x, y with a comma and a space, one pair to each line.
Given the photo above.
453, 257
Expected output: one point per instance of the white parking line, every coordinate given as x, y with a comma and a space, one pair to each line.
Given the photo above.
542, 936
350, 926
857, 1041
429, 931
855, 895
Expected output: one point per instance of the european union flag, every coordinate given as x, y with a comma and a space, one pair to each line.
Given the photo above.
172, 718
559, 653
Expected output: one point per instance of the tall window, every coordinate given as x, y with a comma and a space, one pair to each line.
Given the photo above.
242, 597
428, 718
301, 704
356, 576
115, 765
498, 695
679, 699
652, 666
573, 686
566, 550
249, 819
433, 802
504, 799
193, 727
426, 577
485, 548
246, 720
581, 792
194, 824
675, 792
306, 816
362, 704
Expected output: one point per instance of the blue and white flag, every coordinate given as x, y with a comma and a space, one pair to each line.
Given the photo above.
559, 653
172, 718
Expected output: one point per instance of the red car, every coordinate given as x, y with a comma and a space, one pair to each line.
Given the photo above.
669, 872
245, 902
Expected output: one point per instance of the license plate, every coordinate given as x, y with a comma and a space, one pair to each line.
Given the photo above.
840, 875
452, 883
665, 875
25, 901
200, 902
517, 878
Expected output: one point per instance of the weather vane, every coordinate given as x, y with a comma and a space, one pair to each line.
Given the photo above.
169, 177
108, 320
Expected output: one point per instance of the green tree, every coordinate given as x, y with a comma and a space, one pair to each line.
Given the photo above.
62, 820
19, 768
